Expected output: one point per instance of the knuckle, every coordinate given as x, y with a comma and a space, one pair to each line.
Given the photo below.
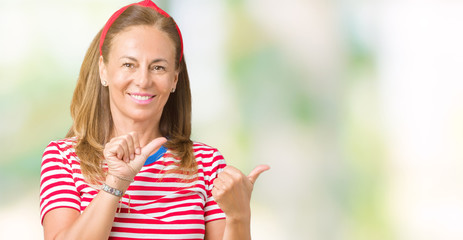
239, 177
117, 141
229, 168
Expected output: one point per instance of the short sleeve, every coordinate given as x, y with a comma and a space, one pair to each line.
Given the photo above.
212, 210
57, 187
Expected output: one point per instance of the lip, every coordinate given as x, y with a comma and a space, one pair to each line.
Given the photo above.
135, 97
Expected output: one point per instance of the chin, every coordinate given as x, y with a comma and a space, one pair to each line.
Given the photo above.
140, 116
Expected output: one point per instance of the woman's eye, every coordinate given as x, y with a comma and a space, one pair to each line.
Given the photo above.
128, 65
159, 68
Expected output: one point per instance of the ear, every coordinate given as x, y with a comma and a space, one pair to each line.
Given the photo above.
174, 84
102, 70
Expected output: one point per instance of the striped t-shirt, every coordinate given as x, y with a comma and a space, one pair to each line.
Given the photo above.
164, 204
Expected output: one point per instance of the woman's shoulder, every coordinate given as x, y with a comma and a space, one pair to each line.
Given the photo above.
64, 142
202, 149
61, 145
205, 153
60, 153
199, 146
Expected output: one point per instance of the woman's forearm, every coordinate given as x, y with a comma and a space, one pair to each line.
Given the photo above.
237, 229
96, 220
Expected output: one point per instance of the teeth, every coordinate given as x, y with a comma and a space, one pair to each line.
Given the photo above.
142, 98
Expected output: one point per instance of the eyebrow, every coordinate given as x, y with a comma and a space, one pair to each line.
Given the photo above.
153, 61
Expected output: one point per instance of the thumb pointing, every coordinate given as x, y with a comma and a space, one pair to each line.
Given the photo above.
146, 151
149, 148
256, 172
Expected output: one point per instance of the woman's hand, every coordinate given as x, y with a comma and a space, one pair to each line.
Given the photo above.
124, 156
232, 191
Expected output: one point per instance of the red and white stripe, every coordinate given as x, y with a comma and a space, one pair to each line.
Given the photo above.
164, 204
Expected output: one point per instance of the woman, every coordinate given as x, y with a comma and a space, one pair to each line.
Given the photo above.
127, 169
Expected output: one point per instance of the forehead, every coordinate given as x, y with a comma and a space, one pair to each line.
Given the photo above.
142, 41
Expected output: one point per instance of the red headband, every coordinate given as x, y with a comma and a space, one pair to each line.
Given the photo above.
145, 3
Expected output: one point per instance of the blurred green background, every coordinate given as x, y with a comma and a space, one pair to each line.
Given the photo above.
356, 105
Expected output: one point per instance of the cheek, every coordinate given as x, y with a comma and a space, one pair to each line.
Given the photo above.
166, 84
119, 81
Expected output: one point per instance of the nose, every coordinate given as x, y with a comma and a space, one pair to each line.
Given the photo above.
142, 79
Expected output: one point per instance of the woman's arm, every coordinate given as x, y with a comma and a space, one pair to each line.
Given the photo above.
94, 223
96, 220
232, 192
215, 229
227, 229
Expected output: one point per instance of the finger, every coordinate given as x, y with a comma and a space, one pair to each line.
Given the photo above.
119, 147
151, 147
136, 142
225, 179
147, 150
217, 183
119, 152
125, 148
110, 151
216, 194
114, 149
130, 147
233, 174
256, 172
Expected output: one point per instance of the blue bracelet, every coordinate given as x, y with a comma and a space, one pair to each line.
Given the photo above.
111, 190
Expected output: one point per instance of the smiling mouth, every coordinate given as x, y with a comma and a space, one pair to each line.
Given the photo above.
142, 97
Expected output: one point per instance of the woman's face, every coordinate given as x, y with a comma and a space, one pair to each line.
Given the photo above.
140, 73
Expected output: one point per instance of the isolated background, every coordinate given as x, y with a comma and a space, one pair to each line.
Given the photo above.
356, 105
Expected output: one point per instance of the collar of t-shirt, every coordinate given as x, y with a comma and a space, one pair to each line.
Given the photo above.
156, 156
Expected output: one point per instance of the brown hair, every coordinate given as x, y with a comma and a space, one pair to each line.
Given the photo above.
92, 121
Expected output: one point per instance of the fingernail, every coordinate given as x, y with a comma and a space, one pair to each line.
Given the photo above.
132, 156
138, 150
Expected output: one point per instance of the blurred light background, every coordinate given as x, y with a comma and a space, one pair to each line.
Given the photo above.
357, 105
